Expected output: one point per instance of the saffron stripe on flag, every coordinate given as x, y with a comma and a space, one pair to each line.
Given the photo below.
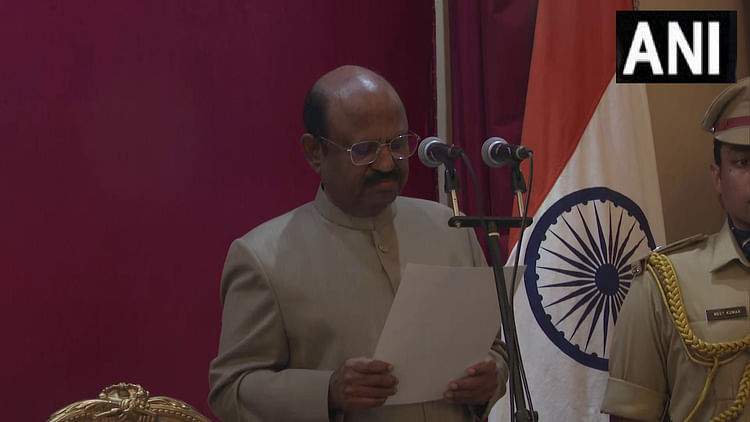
571, 65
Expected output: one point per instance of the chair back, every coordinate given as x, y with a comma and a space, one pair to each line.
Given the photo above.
128, 403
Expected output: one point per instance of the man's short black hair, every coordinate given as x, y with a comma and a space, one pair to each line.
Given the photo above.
314, 112
717, 152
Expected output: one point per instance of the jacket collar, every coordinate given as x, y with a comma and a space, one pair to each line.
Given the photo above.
726, 249
334, 214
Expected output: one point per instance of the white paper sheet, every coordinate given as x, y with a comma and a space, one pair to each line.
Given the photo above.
443, 320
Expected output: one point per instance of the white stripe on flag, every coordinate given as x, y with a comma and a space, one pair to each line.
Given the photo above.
576, 257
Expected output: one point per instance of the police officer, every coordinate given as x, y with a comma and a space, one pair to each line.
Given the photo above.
681, 346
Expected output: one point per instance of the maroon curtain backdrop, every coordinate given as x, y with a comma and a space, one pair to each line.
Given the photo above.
137, 139
490, 48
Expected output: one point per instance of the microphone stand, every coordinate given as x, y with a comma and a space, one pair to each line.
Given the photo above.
491, 226
517, 184
451, 184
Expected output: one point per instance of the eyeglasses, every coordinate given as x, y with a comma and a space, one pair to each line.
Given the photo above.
366, 152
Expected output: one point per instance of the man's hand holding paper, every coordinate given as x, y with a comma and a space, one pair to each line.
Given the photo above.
477, 387
442, 324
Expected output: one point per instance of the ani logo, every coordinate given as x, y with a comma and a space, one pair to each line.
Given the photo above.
578, 269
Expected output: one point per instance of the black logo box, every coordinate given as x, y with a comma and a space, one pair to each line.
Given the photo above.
627, 21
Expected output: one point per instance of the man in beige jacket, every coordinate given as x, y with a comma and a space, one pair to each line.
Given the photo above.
306, 294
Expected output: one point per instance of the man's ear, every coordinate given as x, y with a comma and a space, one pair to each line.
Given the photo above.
313, 151
716, 177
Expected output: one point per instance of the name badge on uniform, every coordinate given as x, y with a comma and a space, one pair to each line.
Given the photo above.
736, 312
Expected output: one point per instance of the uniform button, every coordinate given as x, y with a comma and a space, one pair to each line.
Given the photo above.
378, 241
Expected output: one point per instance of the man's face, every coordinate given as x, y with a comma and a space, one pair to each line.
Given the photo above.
732, 182
364, 191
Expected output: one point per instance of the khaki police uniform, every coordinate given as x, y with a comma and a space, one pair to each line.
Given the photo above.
670, 327
649, 369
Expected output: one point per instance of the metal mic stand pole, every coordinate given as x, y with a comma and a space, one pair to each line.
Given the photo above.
451, 184
517, 396
518, 187
509, 327
517, 184
517, 393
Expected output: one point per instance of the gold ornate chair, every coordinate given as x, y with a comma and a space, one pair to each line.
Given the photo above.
128, 403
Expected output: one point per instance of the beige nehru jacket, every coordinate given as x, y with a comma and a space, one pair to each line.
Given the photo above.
309, 289
648, 367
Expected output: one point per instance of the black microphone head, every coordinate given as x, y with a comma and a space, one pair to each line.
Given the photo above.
522, 153
424, 156
489, 151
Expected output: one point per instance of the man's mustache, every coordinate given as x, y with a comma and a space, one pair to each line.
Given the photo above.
377, 176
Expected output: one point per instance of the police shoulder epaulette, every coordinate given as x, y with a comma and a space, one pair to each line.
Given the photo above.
640, 263
681, 244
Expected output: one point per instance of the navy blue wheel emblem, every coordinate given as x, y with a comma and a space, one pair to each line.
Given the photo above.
578, 269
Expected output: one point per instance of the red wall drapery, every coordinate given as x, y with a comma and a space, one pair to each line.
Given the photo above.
137, 139
490, 48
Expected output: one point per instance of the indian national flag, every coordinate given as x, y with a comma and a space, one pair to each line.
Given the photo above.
595, 202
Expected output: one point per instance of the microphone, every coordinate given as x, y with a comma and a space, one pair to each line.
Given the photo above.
433, 152
497, 152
